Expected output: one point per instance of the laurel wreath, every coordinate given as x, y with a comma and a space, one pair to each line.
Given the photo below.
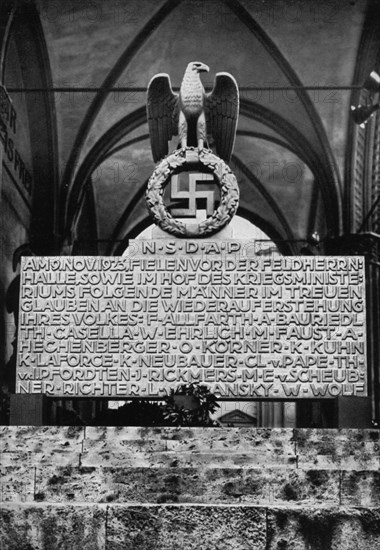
229, 192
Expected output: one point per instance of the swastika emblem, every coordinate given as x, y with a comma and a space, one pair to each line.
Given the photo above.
224, 186
193, 194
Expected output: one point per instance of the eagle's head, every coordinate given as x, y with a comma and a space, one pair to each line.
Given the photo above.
197, 67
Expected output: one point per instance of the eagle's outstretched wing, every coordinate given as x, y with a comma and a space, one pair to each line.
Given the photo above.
162, 113
222, 109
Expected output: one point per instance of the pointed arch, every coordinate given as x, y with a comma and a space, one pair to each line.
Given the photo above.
326, 159
112, 77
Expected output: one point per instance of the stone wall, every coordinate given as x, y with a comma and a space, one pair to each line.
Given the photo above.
189, 488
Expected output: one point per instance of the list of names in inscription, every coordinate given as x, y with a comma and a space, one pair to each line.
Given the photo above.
177, 311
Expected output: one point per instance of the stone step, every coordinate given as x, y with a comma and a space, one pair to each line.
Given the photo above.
156, 485
30, 445
198, 439
347, 449
189, 488
186, 459
189, 485
186, 527
189, 447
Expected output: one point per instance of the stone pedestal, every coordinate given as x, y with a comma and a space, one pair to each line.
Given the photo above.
168, 488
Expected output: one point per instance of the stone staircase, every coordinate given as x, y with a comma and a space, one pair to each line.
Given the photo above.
189, 488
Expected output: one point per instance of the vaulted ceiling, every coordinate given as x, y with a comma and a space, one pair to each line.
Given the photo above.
290, 151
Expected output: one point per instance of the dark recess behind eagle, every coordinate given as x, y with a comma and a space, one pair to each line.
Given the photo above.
192, 114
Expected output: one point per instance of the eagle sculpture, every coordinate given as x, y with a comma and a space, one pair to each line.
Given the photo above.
193, 114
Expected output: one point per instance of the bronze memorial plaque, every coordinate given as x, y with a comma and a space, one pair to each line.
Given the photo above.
185, 310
